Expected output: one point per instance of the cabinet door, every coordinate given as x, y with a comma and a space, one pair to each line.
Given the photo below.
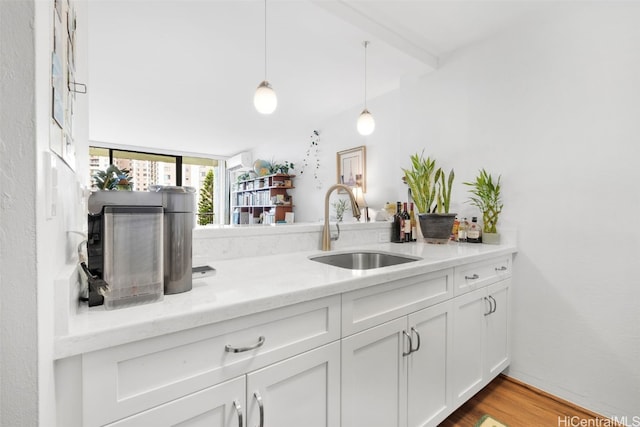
218, 406
468, 344
374, 384
498, 332
301, 391
429, 397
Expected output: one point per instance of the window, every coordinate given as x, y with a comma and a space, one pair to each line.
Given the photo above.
201, 174
146, 169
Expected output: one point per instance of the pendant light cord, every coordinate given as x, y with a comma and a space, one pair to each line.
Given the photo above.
366, 43
265, 40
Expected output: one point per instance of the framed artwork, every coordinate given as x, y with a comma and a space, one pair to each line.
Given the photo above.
63, 84
352, 167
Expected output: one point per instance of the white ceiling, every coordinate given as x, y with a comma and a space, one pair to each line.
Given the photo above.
180, 75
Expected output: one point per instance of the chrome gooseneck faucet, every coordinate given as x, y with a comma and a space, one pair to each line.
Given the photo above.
355, 210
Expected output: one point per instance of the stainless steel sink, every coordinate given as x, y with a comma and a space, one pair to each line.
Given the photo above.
363, 260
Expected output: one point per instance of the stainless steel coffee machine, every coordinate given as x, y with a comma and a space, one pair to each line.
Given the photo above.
139, 243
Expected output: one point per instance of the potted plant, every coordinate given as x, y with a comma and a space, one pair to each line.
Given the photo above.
112, 179
281, 167
486, 197
431, 193
340, 207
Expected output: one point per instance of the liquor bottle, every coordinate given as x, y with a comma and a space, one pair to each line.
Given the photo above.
399, 212
474, 233
397, 230
406, 223
414, 226
462, 230
454, 230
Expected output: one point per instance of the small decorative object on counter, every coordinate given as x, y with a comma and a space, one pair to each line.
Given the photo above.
390, 208
454, 230
474, 233
462, 230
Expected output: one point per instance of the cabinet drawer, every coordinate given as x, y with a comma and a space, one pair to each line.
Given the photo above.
213, 406
482, 273
127, 379
369, 307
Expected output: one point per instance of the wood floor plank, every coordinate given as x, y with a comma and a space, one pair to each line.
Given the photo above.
519, 405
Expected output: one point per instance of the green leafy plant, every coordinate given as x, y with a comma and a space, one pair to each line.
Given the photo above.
243, 176
340, 206
112, 178
430, 187
486, 197
443, 198
281, 167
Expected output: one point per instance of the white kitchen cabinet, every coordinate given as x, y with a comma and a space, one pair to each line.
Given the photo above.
429, 395
480, 338
374, 376
375, 305
218, 406
395, 374
301, 391
498, 329
132, 378
475, 275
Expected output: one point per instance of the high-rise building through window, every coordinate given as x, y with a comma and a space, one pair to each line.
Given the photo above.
146, 169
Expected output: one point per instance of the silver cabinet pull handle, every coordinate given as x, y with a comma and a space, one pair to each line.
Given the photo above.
418, 336
406, 353
495, 304
230, 349
474, 277
258, 398
486, 313
239, 412
503, 268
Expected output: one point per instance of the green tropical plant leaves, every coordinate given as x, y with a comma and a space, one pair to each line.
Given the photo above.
486, 197
110, 178
430, 188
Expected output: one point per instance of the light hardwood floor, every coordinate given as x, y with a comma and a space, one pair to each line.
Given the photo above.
517, 404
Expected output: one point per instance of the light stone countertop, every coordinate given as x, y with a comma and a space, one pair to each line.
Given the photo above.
249, 285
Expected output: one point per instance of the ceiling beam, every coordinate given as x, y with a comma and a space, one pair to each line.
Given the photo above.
357, 17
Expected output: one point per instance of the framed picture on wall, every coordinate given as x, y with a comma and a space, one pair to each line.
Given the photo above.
351, 167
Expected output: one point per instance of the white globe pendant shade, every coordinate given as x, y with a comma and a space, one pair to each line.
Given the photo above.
265, 99
366, 124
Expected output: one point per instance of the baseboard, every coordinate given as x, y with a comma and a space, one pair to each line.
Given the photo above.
567, 403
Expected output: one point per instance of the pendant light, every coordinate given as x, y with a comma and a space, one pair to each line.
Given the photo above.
366, 124
265, 99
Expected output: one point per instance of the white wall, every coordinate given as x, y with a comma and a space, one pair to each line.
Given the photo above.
18, 338
553, 106
34, 247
